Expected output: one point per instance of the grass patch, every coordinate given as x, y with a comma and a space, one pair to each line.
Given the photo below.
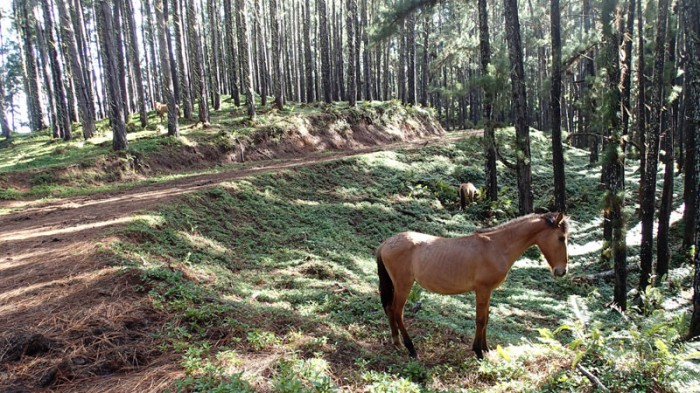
271, 284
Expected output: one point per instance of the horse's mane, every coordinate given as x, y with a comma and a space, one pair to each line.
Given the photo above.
548, 217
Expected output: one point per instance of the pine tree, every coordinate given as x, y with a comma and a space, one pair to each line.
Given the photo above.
245, 55
166, 75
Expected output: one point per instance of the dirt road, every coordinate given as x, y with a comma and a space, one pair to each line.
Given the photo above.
70, 321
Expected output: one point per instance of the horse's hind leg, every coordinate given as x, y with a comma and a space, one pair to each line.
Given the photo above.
393, 325
400, 297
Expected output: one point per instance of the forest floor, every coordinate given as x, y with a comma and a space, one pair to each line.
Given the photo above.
72, 317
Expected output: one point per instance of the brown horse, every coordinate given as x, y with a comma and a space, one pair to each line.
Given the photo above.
479, 262
467, 194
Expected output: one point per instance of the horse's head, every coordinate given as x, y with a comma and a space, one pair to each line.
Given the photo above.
553, 242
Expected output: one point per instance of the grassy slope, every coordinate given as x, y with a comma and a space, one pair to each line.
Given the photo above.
38, 166
271, 284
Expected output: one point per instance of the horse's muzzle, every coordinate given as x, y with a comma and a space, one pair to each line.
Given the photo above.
559, 271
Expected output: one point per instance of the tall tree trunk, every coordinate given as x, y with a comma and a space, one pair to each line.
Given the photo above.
325, 51
692, 15
366, 60
5, 129
277, 55
85, 104
557, 148
489, 133
214, 59
309, 55
522, 131
626, 66
652, 153
155, 69
352, 75
262, 60
613, 164
166, 75
641, 99
105, 27
183, 77
25, 22
425, 66
244, 55
411, 47
690, 196
199, 83
135, 61
121, 59
62, 111
232, 57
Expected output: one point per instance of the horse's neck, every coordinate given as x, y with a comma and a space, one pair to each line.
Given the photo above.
517, 238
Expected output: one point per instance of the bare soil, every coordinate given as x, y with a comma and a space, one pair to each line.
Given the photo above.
69, 319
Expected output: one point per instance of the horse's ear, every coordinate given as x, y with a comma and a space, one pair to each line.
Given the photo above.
559, 219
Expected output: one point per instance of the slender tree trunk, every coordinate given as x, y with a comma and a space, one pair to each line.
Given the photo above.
85, 104
166, 75
352, 76
649, 187
155, 69
489, 133
366, 60
245, 55
626, 66
692, 15
199, 83
411, 47
277, 55
557, 148
105, 27
62, 111
4, 126
309, 55
325, 50
522, 131
641, 99
25, 21
214, 55
183, 77
135, 61
232, 57
690, 196
425, 67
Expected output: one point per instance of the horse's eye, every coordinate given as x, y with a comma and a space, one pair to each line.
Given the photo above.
562, 238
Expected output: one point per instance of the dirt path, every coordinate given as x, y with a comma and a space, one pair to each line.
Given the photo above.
68, 320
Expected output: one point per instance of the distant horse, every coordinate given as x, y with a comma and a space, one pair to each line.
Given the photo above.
162, 109
478, 262
467, 194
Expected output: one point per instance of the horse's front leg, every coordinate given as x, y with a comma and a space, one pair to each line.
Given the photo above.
483, 299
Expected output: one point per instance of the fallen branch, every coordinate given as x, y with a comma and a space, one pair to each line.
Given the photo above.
592, 378
603, 275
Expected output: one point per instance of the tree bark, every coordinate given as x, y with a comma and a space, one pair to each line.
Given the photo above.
183, 76
232, 56
63, 124
277, 55
166, 75
522, 131
366, 59
489, 133
105, 27
85, 104
135, 61
352, 76
199, 83
693, 107
244, 55
411, 60
25, 22
214, 55
557, 148
325, 51
652, 153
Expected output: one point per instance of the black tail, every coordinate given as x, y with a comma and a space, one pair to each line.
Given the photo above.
386, 287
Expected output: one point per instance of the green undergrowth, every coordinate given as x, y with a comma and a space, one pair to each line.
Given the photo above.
39, 166
270, 284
